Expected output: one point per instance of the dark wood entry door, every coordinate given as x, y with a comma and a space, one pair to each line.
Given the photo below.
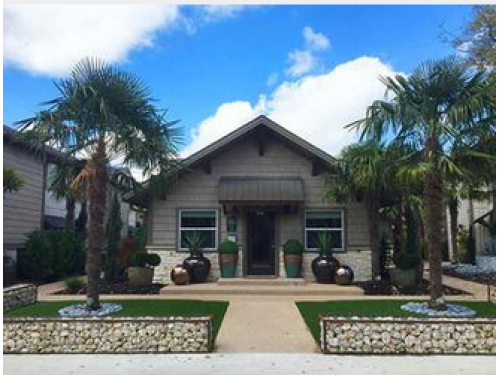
260, 256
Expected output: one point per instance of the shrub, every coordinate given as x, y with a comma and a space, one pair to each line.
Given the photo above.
74, 285
384, 252
406, 260
140, 238
51, 255
228, 247
143, 259
154, 260
140, 259
293, 247
113, 236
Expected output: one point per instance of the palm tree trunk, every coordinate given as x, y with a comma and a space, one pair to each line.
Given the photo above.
433, 200
69, 224
372, 208
453, 208
95, 225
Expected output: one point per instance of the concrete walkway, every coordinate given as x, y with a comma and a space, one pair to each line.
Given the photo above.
245, 364
478, 291
264, 324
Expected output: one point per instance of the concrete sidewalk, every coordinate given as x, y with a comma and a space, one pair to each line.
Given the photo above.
245, 364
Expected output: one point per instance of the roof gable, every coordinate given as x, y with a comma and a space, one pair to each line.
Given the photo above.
243, 131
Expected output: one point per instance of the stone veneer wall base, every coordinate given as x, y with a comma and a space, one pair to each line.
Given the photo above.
419, 336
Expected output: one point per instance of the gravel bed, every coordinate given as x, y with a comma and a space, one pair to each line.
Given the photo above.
384, 288
121, 288
470, 272
452, 310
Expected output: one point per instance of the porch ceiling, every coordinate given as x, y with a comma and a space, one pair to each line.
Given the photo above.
260, 190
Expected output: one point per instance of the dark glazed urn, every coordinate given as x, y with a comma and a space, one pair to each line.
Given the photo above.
324, 267
198, 267
344, 275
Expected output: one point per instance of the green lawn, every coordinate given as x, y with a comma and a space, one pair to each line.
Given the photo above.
310, 311
131, 308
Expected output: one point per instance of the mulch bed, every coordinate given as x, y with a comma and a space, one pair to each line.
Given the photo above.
384, 288
122, 288
485, 279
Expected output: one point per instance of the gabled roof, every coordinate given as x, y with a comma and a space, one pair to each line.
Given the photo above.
260, 122
12, 136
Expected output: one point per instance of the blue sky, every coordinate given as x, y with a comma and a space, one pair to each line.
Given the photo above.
214, 68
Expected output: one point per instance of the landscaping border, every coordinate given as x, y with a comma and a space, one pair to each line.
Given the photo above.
19, 295
108, 335
386, 335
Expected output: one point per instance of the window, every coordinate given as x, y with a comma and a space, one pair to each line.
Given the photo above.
331, 222
202, 221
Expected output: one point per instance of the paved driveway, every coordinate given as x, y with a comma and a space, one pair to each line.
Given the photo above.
245, 364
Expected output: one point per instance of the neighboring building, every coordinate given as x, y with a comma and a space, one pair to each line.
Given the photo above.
23, 211
261, 185
478, 214
33, 207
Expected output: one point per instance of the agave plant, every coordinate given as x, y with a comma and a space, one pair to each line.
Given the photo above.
194, 242
324, 243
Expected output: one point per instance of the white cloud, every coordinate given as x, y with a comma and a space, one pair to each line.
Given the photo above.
215, 12
316, 41
315, 107
50, 39
304, 61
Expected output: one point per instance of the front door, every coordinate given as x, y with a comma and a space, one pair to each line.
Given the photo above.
260, 256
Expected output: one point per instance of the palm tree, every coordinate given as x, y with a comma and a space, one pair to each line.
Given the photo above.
104, 114
12, 182
366, 169
438, 103
61, 186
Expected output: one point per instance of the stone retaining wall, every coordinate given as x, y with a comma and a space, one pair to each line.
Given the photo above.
407, 336
107, 335
19, 295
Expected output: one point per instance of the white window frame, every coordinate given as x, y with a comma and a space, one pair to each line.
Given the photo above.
180, 228
341, 229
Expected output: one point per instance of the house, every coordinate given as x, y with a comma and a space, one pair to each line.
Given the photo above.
478, 214
33, 207
260, 186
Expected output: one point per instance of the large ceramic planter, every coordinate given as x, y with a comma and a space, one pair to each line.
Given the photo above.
228, 264
198, 267
140, 275
324, 267
403, 278
293, 264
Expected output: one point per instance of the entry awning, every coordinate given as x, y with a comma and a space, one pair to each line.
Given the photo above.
260, 190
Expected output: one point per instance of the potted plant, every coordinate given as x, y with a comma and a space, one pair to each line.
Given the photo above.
405, 273
142, 270
324, 265
292, 256
197, 265
228, 258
